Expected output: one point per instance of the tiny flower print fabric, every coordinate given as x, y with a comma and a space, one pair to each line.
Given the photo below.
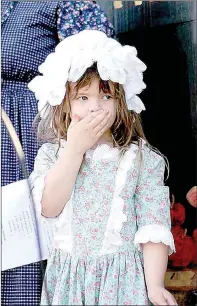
116, 205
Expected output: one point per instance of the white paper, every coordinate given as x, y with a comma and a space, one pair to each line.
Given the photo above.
19, 235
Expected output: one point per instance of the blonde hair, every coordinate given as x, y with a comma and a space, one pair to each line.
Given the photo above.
126, 129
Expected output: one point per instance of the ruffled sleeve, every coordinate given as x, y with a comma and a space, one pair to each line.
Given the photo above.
152, 203
60, 226
44, 161
76, 16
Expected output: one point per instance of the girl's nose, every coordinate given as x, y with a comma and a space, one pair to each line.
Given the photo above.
95, 106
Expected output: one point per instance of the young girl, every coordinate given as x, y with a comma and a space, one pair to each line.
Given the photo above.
99, 179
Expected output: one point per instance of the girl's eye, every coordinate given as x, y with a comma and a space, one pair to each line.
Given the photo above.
82, 98
106, 97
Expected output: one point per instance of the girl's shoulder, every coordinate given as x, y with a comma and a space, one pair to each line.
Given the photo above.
50, 150
147, 154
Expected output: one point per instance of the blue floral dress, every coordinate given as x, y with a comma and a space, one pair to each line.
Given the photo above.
116, 205
30, 31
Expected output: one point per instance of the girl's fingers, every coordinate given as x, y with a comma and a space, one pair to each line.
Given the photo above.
75, 119
90, 117
170, 299
159, 299
163, 302
102, 130
102, 124
154, 302
97, 120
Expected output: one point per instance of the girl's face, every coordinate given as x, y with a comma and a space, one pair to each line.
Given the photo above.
90, 99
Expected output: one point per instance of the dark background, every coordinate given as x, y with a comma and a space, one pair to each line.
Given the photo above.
164, 33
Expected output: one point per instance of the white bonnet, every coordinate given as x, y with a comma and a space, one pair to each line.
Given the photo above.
75, 54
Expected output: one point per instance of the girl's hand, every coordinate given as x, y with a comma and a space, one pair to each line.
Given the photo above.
83, 134
158, 295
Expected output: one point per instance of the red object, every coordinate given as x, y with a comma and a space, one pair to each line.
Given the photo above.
176, 258
185, 252
194, 257
177, 231
177, 213
178, 234
186, 247
195, 235
188, 251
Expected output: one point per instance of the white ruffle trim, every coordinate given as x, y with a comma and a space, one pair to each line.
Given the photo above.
103, 151
112, 237
37, 192
154, 233
60, 226
63, 237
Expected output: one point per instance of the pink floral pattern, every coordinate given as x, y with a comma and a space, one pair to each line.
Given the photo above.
83, 276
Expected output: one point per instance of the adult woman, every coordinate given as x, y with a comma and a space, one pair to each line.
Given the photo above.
30, 31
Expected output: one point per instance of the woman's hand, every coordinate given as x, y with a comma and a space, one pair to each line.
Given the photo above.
158, 295
83, 134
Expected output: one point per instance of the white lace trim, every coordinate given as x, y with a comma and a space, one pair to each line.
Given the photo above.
154, 233
112, 237
59, 226
37, 193
63, 238
103, 152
